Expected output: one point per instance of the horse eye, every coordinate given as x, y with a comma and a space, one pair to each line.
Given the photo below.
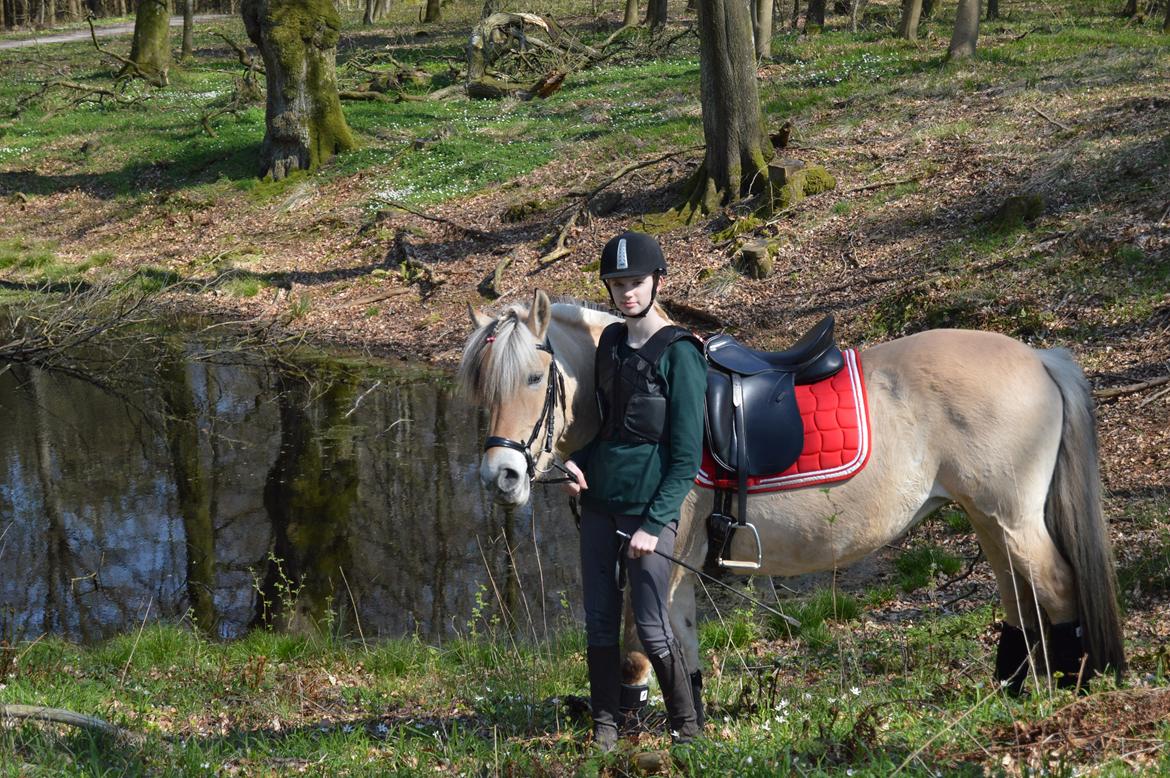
534, 379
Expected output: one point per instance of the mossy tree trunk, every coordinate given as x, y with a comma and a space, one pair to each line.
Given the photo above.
911, 13
992, 10
433, 12
655, 13
762, 27
304, 125
814, 22
738, 149
966, 30
150, 50
1166, 20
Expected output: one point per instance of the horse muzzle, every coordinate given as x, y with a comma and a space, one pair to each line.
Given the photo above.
504, 474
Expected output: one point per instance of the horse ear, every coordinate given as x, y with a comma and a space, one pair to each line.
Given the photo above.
478, 319
539, 314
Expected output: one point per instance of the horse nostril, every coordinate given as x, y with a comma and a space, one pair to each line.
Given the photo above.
508, 477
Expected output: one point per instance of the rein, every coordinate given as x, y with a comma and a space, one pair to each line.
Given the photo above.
554, 396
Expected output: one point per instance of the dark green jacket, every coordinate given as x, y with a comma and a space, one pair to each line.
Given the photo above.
651, 479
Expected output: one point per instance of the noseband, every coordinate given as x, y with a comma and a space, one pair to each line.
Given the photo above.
553, 396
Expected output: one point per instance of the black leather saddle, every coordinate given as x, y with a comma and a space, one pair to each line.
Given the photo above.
762, 433
753, 424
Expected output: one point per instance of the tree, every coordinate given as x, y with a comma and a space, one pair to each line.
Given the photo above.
1166, 20
188, 29
762, 27
655, 13
966, 30
433, 11
911, 13
150, 50
1130, 10
992, 10
304, 125
814, 21
738, 149
631, 17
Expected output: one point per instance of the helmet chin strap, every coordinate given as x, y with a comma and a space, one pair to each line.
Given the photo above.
641, 314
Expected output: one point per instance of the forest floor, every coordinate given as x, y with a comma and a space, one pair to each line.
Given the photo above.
1067, 106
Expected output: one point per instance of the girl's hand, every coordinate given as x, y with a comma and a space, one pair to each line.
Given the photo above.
570, 488
641, 544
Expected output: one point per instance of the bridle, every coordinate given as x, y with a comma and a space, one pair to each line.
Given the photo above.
554, 396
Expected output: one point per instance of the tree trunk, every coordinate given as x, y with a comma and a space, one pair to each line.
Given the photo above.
966, 30
1130, 9
762, 27
814, 22
304, 125
911, 12
188, 30
736, 159
1166, 20
433, 11
927, 9
992, 10
151, 48
655, 13
368, 17
631, 18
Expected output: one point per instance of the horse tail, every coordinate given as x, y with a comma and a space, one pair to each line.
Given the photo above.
1075, 519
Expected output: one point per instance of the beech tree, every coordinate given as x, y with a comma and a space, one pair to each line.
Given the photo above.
631, 17
762, 27
433, 11
188, 29
150, 50
911, 13
738, 149
304, 125
966, 30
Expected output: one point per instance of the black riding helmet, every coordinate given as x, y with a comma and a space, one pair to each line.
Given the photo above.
633, 254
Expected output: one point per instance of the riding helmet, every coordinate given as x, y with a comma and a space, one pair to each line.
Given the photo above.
632, 254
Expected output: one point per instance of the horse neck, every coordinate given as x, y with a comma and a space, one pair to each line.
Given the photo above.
574, 333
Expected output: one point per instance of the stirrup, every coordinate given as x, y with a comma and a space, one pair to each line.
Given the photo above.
729, 526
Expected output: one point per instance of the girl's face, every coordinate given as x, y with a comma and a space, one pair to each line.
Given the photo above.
631, 294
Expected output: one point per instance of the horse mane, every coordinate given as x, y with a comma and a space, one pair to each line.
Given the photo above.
498, 358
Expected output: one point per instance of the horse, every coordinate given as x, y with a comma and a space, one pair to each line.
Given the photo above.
977, 418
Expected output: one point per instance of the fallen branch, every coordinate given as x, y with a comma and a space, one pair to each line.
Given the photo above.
560, 249
440, 220
129, 67
1045, 116
490, 285
100, 92
246, 59
377, 298
1121, 391
62, 716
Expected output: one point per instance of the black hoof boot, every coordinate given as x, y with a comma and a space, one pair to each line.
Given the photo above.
1067, 661
1011, 658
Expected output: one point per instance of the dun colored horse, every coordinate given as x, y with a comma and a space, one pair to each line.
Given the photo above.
1002, 429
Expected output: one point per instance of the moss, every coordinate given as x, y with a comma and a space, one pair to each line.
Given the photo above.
739, 227
817, 180
1016, 211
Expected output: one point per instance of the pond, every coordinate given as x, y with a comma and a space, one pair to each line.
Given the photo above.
232, 493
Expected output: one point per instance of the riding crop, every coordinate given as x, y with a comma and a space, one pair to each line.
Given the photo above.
791, 621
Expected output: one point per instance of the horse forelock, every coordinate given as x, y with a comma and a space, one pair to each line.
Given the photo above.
497, 358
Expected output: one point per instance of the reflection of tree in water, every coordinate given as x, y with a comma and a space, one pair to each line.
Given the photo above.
309, 495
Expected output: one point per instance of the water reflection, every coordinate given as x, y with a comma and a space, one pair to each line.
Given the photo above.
313, 495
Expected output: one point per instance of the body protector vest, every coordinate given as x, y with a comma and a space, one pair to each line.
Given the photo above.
631, 395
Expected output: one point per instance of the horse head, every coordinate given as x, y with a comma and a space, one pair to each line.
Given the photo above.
532, 368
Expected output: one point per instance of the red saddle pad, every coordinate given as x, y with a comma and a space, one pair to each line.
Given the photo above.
836, 436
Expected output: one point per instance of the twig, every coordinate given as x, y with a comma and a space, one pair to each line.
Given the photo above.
469, 230
1120, 391
559, 249
246, 59
1043, 115
880, 184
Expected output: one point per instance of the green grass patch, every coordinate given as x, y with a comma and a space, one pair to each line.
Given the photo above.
918, 568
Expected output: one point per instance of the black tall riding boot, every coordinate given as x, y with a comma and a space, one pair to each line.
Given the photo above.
1011, 658
675, 682
605, 685
1066, 651
697, 696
